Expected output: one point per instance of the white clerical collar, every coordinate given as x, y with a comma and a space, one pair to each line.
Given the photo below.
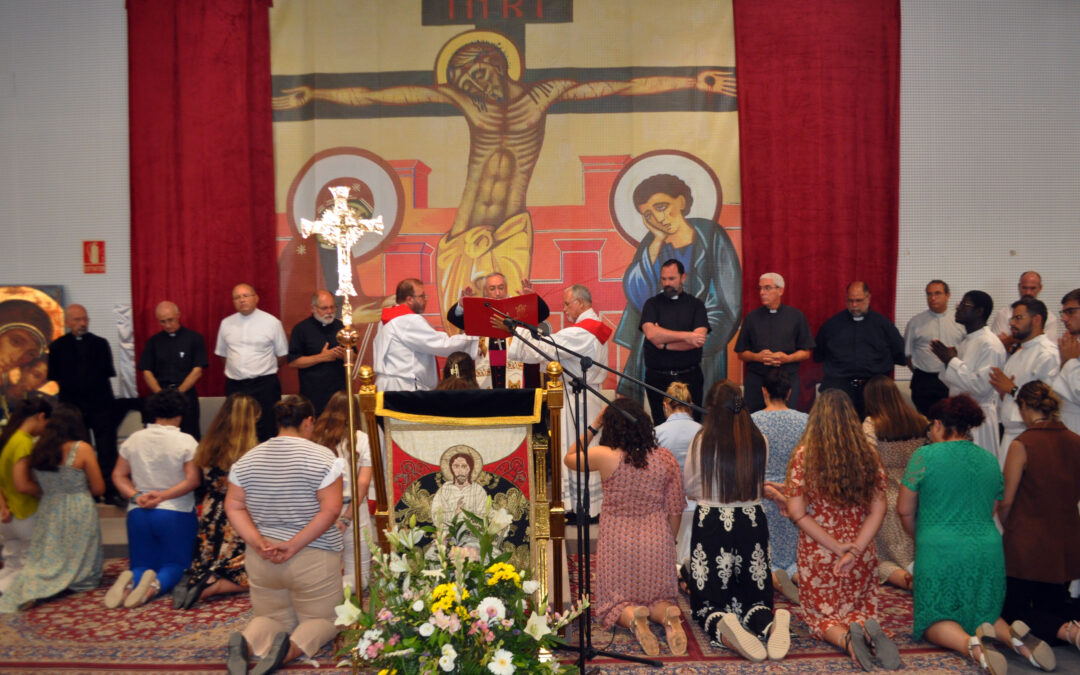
774, 311
858, 318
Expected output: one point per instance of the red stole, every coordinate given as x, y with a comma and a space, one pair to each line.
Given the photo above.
391, 313
598, 329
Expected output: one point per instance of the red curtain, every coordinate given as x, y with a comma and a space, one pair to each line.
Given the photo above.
819, 131
202, 165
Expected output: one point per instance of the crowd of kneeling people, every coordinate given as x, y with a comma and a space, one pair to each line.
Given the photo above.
822, 507
826, 508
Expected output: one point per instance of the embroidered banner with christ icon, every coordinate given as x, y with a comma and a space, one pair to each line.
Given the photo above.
439, 465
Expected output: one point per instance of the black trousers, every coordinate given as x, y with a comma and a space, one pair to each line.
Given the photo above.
102, 426
755, 400
266, 390
661, 379
926, 390
853, 387
1042, 606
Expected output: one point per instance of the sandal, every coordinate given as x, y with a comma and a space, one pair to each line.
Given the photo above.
639, 626
990, 659
1069, 630
676, 636
1039, 653
882, 647
787, 588
855, 644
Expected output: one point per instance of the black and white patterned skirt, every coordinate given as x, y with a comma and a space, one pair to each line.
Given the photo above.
729, 567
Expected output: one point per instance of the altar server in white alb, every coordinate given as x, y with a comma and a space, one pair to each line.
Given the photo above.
252, 343
967, 367
936, 323
1035, 358
406, 345
1067, 382
588, 336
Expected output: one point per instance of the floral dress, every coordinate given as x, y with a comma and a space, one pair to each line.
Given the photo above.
219, 550
635, 549
65, 547
782, 429
895, 547
827, 600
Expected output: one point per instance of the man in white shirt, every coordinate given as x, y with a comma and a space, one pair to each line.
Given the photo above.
967, 368
1067, 382
1036, 358
587, 335
252, 343
1030, 286
936, 323
406, 345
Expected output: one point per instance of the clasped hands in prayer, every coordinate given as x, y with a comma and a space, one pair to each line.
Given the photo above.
848, 551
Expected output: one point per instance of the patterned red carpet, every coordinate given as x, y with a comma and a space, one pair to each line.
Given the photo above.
76, 634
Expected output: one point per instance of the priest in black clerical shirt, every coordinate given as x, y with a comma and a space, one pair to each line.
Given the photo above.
314, 350
81, 363
175, 358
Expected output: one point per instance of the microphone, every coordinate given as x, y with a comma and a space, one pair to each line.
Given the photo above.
509, 323
487, 304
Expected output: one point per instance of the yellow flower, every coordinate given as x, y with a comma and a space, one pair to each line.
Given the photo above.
503, 572
444, 595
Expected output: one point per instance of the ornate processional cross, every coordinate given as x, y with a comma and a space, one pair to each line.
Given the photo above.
341, 227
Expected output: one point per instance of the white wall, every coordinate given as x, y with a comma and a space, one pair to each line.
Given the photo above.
64, 150
989, 148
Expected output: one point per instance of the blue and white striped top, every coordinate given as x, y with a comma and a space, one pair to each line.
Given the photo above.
280, 478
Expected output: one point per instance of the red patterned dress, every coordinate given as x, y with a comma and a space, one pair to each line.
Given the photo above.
635, 548
825, 599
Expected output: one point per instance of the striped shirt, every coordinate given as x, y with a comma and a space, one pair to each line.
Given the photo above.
280, 478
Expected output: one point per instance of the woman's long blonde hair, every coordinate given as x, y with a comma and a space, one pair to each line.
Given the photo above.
839, 464
231, 434
333, 424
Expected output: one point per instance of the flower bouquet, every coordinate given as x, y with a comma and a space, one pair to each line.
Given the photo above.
457, 607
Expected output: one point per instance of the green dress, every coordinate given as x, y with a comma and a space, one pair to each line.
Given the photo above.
959, 561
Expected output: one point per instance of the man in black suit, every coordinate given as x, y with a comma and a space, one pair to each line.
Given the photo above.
82, 364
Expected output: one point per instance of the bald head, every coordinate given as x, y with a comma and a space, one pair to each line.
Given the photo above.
1030, 284
245, 299
77, 320
322, 307
168, 316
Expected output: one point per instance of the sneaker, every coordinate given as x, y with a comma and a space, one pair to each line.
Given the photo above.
144, 591
115, 595
740, 639
779, 635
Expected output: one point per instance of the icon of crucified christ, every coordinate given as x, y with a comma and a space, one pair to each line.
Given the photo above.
479, 73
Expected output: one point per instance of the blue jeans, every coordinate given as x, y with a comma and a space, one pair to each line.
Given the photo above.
163, 541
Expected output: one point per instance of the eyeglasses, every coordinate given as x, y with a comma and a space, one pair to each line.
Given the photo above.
1069, 311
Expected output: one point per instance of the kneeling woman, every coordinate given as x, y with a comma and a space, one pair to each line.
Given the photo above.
643, 504
946, 502
731, 591
156, 473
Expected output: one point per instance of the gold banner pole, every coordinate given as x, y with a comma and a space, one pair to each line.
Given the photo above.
347, 337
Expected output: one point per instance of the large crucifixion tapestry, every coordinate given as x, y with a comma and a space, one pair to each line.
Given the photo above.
554, 141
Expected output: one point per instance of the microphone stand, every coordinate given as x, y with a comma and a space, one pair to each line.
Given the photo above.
585, 649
